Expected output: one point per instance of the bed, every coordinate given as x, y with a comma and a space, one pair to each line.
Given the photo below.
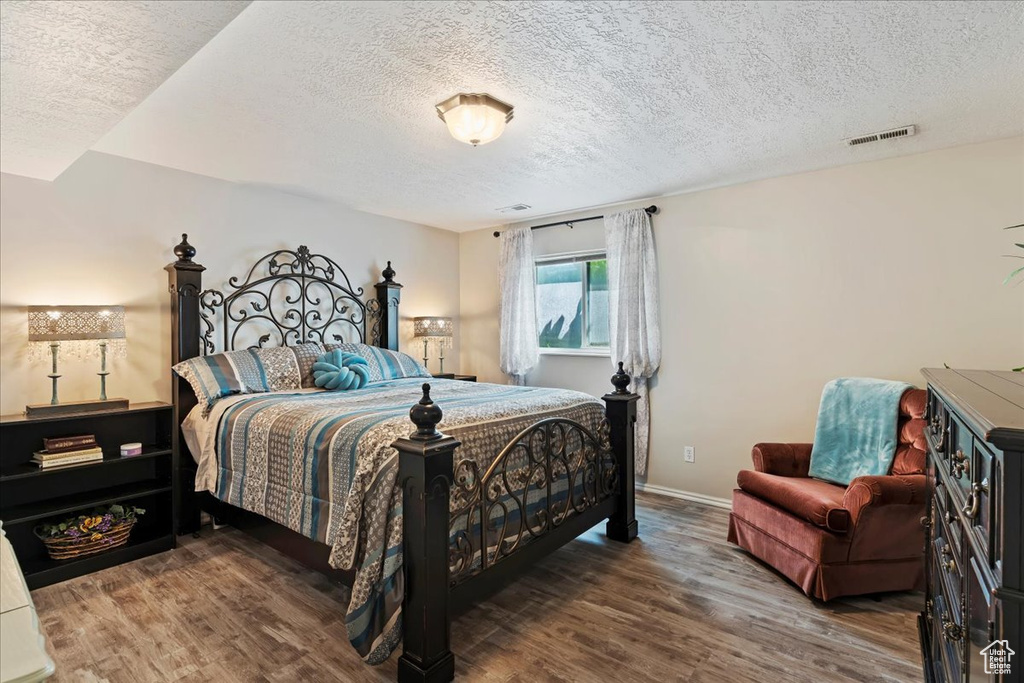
361, 484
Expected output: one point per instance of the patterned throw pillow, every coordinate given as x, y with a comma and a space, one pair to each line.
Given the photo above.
250, 371
385, 364
306, 354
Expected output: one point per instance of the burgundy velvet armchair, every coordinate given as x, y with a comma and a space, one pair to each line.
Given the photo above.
832, 540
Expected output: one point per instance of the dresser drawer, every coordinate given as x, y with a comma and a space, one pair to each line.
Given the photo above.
978, 508
961, 446
946, 639
952, 528
947, 607
980, 621
947, 572
937, 429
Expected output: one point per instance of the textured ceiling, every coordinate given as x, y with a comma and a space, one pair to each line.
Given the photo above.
614, 100
72, 70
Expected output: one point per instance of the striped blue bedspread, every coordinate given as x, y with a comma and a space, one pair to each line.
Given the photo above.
321, 463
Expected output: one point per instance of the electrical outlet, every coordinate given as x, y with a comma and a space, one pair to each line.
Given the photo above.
688, 453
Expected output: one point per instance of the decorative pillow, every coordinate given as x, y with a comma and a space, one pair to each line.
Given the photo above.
339, 370
306, 354
385, 364
249, 371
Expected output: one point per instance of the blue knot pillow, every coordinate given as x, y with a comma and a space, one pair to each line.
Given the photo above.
340, 371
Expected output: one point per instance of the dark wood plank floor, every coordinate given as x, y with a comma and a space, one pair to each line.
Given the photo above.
678, 605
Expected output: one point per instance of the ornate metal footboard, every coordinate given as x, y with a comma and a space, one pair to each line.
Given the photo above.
555, 480
550, 471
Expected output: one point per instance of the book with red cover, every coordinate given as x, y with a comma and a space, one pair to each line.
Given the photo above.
69, 443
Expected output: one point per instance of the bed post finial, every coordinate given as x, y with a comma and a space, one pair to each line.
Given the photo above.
184, 251
425, 415
425, 472
621, 380
388, 273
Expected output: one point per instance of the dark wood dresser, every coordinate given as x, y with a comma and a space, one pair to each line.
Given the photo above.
972, 626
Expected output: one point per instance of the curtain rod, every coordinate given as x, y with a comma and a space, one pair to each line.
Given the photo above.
651, 210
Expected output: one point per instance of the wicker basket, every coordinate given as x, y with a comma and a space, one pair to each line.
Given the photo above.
65, 548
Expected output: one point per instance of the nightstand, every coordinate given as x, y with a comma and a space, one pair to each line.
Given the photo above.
30, 496
452, 375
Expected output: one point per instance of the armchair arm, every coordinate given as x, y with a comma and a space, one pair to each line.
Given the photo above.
875, 491
785, 459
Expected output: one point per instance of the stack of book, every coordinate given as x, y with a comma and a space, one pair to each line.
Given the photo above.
68, 450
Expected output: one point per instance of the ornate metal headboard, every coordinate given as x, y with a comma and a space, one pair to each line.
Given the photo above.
287, 297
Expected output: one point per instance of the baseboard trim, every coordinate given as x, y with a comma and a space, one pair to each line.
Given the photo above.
723, 503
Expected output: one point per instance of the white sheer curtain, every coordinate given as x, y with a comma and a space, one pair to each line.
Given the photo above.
633, 310
518, 308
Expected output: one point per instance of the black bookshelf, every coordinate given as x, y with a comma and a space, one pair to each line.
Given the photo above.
30, 496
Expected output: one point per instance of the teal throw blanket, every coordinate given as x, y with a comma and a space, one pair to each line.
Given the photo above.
857, 427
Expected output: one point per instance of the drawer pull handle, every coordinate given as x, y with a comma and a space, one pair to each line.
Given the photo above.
950, 517
951, 630
970, 509
961, 464
946, 552
926, 522
938, 430
950, 565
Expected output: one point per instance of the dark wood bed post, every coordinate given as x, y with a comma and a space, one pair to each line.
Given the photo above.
389, 293
186, 284
425, 470
620, 409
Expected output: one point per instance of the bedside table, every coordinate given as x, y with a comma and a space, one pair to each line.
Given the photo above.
452, 375
30, 496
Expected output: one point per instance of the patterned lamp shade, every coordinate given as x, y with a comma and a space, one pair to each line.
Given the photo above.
432, 327
73, 323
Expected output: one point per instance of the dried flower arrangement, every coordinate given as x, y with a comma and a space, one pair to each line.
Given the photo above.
87, 534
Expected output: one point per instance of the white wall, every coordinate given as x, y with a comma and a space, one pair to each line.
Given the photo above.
103, 232
771, 288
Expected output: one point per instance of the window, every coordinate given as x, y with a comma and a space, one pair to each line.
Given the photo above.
572, 303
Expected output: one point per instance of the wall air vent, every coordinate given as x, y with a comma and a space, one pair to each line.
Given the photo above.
905, 131
513, 208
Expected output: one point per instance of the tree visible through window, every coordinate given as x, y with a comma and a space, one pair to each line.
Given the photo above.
572, 302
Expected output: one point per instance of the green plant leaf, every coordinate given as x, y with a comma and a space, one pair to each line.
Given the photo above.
1013, 274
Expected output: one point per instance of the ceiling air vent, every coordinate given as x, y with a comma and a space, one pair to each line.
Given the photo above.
513, 208
905, 131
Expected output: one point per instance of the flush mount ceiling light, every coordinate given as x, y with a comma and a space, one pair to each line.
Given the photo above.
474, 118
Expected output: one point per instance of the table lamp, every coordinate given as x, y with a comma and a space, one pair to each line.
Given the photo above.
85, 331
433, 328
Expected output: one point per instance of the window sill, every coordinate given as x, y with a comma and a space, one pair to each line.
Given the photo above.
591, 353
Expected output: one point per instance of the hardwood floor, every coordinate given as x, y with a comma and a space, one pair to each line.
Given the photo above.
680, 604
